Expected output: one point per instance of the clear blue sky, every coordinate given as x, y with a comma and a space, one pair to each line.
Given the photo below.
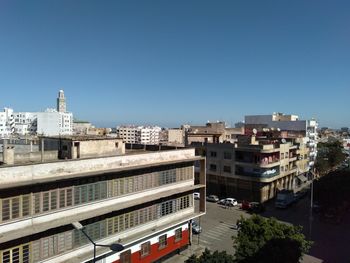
173, 62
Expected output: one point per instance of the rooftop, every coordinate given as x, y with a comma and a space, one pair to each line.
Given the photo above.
80, 137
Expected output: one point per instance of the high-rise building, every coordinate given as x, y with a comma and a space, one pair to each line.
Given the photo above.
143, 201
61, 102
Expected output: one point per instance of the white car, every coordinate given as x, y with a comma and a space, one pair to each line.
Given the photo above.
196, 195
229, 202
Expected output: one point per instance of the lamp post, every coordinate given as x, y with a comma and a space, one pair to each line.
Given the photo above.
311, 201
113, 247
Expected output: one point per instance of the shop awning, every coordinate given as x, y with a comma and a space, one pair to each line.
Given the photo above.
302, 178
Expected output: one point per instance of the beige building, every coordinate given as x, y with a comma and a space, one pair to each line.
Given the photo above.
253, 168
75, 147
212, 132
141, 200
176, 136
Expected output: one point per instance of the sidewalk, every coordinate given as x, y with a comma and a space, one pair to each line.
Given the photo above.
184, 255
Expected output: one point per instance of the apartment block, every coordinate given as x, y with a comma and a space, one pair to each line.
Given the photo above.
143, 201
291, 125
50, 122
255, 168
139, 134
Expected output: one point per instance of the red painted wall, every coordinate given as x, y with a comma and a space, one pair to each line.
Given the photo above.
157, 253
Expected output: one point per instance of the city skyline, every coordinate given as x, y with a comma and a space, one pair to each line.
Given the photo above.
173, 63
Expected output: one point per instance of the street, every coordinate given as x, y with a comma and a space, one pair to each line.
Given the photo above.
331, 242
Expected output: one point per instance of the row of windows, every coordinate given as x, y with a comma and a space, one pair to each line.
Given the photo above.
42, 202
56, 244
226, 168
145, 249
227, 155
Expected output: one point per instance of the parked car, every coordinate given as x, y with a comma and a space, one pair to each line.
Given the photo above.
196, 229
228, 202
256, 207
231, 202
245, 205
284, 198
212, 198
196, 195
222, 201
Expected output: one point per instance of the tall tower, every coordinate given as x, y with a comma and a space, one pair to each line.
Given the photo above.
61, 102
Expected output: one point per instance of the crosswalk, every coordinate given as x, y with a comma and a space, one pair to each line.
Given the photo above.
216, 234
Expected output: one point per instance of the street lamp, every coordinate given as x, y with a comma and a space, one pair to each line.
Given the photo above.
113, 247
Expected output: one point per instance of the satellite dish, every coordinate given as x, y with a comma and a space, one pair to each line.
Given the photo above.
283, 140
255, 131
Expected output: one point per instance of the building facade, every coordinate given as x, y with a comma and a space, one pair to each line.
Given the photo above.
7, 124
290, 124
139, 134
254, 168
51, 122
143, 201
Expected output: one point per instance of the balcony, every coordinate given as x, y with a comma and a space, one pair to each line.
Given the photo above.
294, 158
258, 173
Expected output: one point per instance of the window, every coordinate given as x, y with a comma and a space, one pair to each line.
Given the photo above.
178, 234
163, 242
227, 169
15, 207
227, 156
166, 208
212, 167
282, 156
18, 254
282, 168
212, 154
125, 257
145, 249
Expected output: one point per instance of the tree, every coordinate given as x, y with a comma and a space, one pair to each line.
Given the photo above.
329, 155
267, 240
208, 257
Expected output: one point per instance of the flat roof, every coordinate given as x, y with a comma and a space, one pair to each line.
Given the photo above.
81, 137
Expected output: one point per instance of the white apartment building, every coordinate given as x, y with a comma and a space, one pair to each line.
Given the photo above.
139, 134
50, 122
25, 122
6, 122
311, 134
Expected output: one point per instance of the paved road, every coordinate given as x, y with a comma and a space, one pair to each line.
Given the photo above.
217, 226
332, 242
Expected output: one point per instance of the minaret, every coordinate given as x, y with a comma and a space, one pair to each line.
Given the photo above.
61, 102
